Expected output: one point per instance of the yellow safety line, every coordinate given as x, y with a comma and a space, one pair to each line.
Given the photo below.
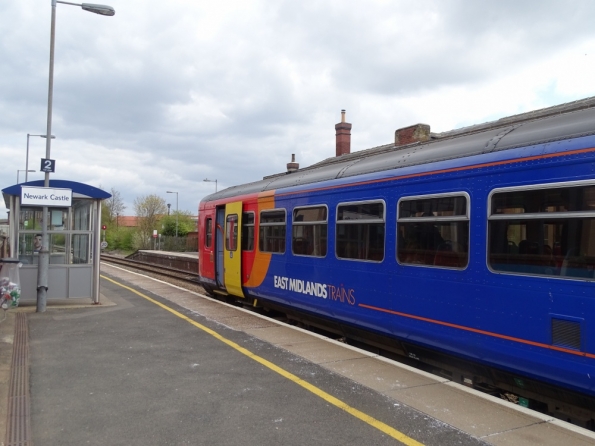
290, 376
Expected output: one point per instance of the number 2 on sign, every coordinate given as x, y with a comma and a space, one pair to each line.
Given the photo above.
48, 165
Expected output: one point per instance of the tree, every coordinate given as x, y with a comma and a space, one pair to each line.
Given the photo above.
185, 224
149, 209
112, 207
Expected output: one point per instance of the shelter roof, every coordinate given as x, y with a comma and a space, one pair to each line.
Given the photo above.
79, 190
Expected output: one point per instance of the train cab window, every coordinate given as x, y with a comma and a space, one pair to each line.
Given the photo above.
546, 230
360, 231
272, 231
309, 231
433, 230
231, 232
208, 232
248, 231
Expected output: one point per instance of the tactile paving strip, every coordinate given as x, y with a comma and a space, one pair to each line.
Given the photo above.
18, 431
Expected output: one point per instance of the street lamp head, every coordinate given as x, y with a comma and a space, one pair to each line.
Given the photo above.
43, 136
211, 181
99, 9
91, 7
23, 170
168, 206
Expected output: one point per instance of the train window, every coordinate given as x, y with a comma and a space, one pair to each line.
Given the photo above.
272, 231
433, 231
360, 231
544, 230
231, 232
309, 231
208, 232
248, 231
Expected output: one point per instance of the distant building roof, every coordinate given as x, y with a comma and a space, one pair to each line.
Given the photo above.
128, 222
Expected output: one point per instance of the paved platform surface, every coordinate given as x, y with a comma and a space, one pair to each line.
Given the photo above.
172, 368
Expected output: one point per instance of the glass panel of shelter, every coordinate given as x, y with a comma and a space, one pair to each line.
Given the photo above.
69, 232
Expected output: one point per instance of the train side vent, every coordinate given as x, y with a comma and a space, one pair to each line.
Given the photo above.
566, 333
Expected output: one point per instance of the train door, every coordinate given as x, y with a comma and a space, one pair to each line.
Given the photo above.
232, 261
219, 237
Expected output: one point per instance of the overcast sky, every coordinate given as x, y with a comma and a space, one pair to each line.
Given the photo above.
167, 93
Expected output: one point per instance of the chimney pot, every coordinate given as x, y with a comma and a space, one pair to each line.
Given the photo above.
293, 166
343, 135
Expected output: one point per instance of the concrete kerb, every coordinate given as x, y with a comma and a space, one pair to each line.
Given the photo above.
63, 304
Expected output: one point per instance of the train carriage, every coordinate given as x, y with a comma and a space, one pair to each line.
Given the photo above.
475, 249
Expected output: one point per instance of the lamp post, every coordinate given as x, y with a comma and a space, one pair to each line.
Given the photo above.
211, 181
172, 192
27, 159
19, 171
44, 254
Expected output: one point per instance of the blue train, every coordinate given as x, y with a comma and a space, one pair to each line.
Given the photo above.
471, 251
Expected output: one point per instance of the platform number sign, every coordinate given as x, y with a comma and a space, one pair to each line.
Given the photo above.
48, 165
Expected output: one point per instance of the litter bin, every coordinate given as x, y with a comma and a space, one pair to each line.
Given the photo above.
10, 283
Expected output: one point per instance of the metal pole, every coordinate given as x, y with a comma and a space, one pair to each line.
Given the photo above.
212, 181
27, 161
96, 253
44, 254
19, 172
173, 192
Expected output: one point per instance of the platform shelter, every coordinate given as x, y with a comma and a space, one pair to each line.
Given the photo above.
74, 231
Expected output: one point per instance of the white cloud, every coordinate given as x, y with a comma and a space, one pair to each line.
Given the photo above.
161, 96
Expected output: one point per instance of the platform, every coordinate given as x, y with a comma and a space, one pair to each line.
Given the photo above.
155, 364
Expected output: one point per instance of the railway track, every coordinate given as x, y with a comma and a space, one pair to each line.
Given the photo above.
157, 270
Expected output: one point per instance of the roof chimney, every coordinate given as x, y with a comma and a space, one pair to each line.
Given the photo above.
343, 133
293, 166
411, 134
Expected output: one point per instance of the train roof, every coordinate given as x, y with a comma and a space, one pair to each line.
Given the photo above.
570, 120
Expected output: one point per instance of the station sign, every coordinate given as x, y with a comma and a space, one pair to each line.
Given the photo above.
45, 196
48, 165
